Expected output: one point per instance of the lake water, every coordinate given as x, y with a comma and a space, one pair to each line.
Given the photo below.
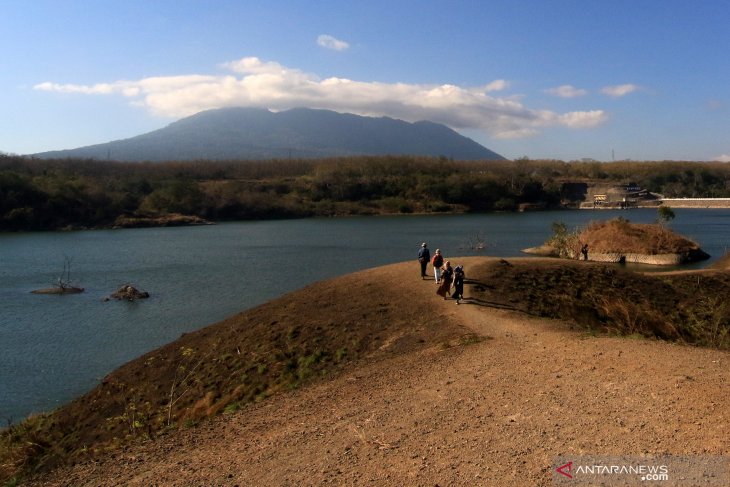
54, 348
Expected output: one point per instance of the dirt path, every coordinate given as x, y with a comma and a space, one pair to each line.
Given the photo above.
493, 412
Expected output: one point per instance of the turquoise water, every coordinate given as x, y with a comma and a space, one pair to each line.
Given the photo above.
54, 348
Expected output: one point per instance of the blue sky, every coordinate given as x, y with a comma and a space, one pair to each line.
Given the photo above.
562, 79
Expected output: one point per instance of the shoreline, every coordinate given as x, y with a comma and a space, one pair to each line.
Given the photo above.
191, 220
684, 203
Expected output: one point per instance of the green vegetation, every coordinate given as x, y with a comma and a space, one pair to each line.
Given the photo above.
82, 193
564, 241
75, 193
665, 214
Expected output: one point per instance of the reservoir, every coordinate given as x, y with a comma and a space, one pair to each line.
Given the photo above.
54, 348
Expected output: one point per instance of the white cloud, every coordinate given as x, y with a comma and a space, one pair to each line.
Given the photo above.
581, 120
253, 65
276, 87
329, 42
723, 158
496, 85
566, 91
98, 89
619, 90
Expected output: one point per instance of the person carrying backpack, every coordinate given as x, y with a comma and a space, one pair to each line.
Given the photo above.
459, 276
437, 262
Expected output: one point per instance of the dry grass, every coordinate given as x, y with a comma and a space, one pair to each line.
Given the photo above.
709, 319
689, 308
21, 445
619, 235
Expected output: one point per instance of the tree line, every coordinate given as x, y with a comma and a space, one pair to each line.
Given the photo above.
38, 194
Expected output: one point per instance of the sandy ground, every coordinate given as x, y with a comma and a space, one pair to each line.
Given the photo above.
496, 412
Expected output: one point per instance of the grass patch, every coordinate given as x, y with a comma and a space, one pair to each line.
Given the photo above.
340, 354
473, 339
232, 408
23, 446
684, 307
465, 340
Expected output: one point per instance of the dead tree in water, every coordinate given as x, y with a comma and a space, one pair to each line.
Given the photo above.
476, 241
64, 280
63, 283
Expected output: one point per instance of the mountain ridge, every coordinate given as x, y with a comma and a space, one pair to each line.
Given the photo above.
257, 133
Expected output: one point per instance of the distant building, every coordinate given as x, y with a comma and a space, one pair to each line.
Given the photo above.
616, 196
586, 194
599, 199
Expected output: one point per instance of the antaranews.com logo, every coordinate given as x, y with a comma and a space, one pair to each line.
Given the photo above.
663, 470
645, 472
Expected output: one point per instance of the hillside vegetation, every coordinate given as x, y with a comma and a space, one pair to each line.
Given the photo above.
76, 193
688, 307
255, 133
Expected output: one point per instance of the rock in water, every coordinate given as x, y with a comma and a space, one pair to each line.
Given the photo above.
129, 293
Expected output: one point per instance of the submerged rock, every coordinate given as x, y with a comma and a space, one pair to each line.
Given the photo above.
129, 293
59, 290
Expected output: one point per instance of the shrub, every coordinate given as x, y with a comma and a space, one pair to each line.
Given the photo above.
564, 241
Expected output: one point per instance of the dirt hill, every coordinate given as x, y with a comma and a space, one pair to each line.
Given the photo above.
375, 379
619, 235
620, 241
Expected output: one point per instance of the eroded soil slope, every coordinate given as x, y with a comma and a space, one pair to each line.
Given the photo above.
494, 407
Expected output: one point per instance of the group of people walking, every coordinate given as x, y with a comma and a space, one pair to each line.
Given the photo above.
446, 276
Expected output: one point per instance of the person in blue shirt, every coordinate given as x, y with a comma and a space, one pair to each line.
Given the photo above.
424, 257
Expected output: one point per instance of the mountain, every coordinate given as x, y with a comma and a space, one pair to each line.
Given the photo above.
254, 133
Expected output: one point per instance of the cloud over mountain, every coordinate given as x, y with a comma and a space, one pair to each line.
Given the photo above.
256, 83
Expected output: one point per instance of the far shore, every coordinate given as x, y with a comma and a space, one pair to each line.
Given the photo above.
703, 203
178, 220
